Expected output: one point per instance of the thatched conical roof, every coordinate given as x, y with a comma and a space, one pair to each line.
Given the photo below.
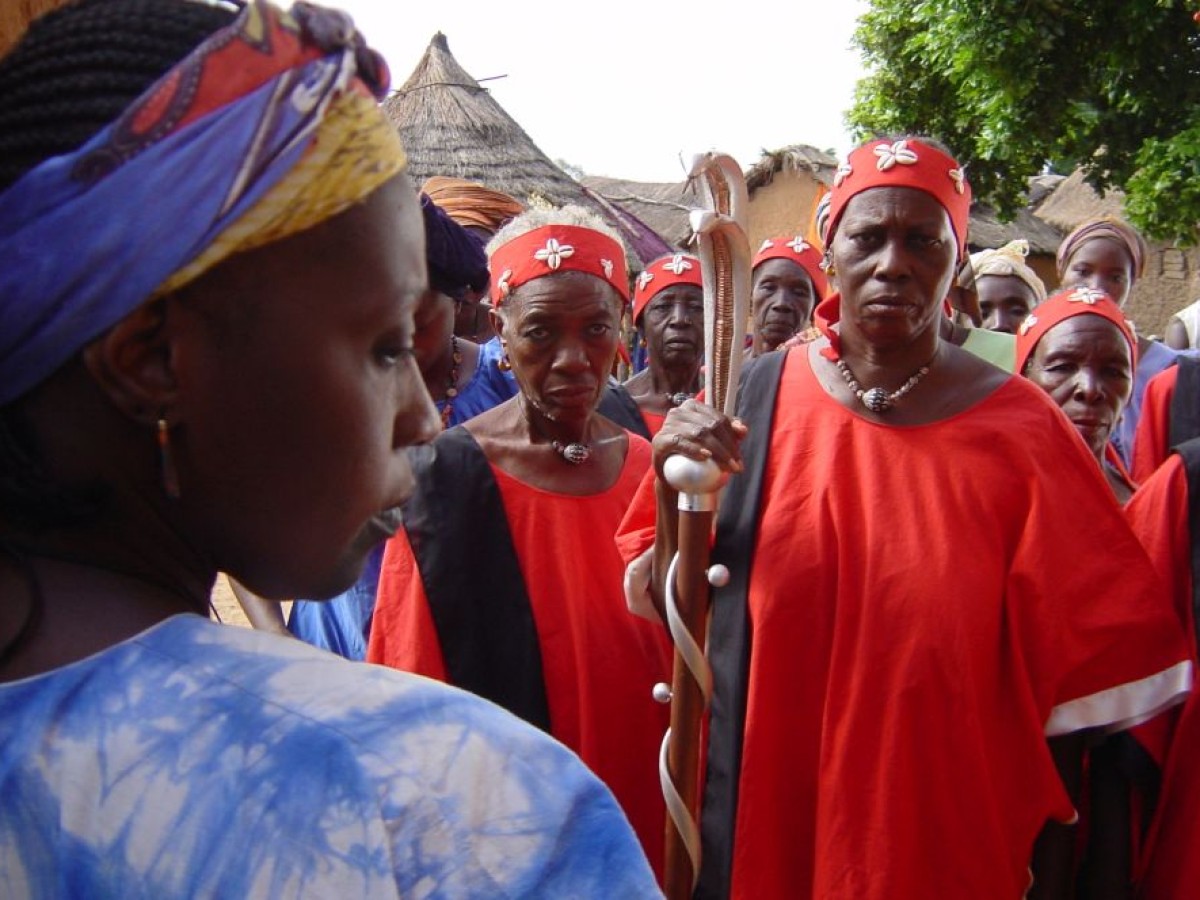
452, 126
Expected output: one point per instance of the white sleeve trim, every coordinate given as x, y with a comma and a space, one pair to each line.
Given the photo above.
1125, 705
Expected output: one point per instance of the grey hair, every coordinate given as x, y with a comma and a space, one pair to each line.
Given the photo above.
532, 219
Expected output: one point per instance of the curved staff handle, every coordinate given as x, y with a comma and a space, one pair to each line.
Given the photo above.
725, 267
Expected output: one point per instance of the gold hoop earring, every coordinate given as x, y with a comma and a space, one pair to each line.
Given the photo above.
166, 460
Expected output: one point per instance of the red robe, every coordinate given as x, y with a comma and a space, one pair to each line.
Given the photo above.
1152, 444
654, 421
926, 605
1170, 866
599, 662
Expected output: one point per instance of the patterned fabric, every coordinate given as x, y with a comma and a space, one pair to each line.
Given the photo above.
267, 128
198, 760
1007, 261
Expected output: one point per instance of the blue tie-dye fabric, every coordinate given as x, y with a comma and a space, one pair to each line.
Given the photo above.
197, 760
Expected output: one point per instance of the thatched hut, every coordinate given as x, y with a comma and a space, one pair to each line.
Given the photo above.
1169, 283
451, 125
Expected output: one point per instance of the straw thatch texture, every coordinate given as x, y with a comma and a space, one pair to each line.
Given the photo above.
15, 16
793, 158
452, 126
664, 207
1074, 202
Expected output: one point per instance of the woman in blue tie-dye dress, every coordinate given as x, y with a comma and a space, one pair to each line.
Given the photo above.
209, 255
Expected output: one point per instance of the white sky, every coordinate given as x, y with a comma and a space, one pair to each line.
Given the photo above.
625, 87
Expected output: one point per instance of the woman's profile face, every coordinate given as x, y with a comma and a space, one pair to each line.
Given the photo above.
782, 300
560, 333
673, 322
433, 323
296, 406
1004, 302
1084, 364
894, 253
1103, 265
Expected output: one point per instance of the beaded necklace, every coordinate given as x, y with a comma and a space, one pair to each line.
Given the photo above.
451, 381
876, 399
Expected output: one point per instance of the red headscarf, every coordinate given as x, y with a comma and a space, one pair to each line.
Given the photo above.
1065, 304
682, 268
795, 249
557, 248
908, 162
904, 163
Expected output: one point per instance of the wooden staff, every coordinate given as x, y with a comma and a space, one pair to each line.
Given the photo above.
725, 265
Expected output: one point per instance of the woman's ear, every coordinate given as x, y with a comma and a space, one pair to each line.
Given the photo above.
131, 363
497, 320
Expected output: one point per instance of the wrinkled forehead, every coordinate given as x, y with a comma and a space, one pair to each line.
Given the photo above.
569, 291
895, 206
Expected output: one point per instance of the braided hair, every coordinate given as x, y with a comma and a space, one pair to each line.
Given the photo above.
74, 71
77, 68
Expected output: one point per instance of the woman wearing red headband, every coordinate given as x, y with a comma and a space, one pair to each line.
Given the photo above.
504, 580
668, 308
894, 646
1078, 348
787, 284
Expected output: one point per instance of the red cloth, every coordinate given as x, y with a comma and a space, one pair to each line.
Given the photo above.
654, 421
556, 248
1170, 867
1152, 441
923, 601
599, 662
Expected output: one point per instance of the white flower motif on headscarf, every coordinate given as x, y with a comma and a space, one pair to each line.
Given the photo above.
891, 154
678, 265
845, 170
1029, 322
798, 245
766, 245
1087, 295
554, 253
607, 266
644, 279
956, 175
502, 282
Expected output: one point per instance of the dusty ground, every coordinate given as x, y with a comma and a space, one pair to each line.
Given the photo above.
227, 606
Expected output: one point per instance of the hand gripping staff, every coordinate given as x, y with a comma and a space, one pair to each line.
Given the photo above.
725, 265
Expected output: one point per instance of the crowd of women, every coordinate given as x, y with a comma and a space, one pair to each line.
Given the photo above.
954, 653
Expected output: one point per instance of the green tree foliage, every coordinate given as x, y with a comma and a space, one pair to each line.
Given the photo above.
1109, 85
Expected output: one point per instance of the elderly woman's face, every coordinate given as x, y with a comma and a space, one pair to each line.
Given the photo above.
1103, 265
293, 425
1084, 364
782, 300
894, 253
560, 333
673, 322
1004, 302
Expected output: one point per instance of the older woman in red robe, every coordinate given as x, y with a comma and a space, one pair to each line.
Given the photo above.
900, 657
504, 580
